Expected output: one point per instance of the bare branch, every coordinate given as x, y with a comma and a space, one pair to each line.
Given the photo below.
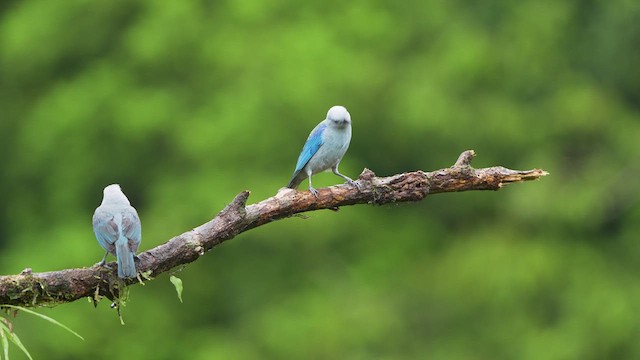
32, 289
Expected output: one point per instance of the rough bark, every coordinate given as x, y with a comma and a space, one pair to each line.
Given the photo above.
54, 287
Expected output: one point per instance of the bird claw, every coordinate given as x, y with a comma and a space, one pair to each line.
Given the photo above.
314, 191
354, 183
103, 264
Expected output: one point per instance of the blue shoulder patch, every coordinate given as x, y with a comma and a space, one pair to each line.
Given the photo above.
314, 141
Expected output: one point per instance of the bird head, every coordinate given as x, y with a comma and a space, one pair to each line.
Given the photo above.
339, 116
114, 195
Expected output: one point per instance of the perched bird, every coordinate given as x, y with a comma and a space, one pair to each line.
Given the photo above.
325, 147
117, 228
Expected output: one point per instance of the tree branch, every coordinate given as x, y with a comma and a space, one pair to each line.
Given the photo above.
47, 288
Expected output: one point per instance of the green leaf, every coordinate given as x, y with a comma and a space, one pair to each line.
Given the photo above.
55, 322
14, 338
4, 329
146, 275
177, 282
5, 344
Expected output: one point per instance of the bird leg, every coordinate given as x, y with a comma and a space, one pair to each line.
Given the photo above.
348, 179
104, 259
311, 188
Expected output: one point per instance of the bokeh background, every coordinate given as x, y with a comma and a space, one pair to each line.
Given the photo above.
187, 103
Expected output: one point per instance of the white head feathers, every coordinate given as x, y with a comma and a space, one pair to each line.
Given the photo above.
114, 195
339, 114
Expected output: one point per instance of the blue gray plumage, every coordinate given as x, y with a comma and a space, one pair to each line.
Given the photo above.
118, 230
325, 147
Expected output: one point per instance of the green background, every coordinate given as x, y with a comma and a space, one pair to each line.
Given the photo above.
186, 103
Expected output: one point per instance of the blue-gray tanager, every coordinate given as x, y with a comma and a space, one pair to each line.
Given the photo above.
325, 147
117, 228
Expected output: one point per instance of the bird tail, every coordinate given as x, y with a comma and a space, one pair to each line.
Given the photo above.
296, 179
126, 264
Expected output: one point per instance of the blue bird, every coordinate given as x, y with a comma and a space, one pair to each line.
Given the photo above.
325, 147
118, 230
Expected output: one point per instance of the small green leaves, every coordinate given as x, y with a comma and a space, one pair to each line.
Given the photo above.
53, 321
177, 282
6, 332
146, 275
5, 344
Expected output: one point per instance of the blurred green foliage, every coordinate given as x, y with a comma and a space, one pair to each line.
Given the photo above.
187, 103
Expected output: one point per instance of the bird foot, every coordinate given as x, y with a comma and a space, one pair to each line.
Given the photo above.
314, 191
354, 183
103, 264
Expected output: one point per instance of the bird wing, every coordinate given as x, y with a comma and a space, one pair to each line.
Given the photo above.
314, 142
131, 228
105, 229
